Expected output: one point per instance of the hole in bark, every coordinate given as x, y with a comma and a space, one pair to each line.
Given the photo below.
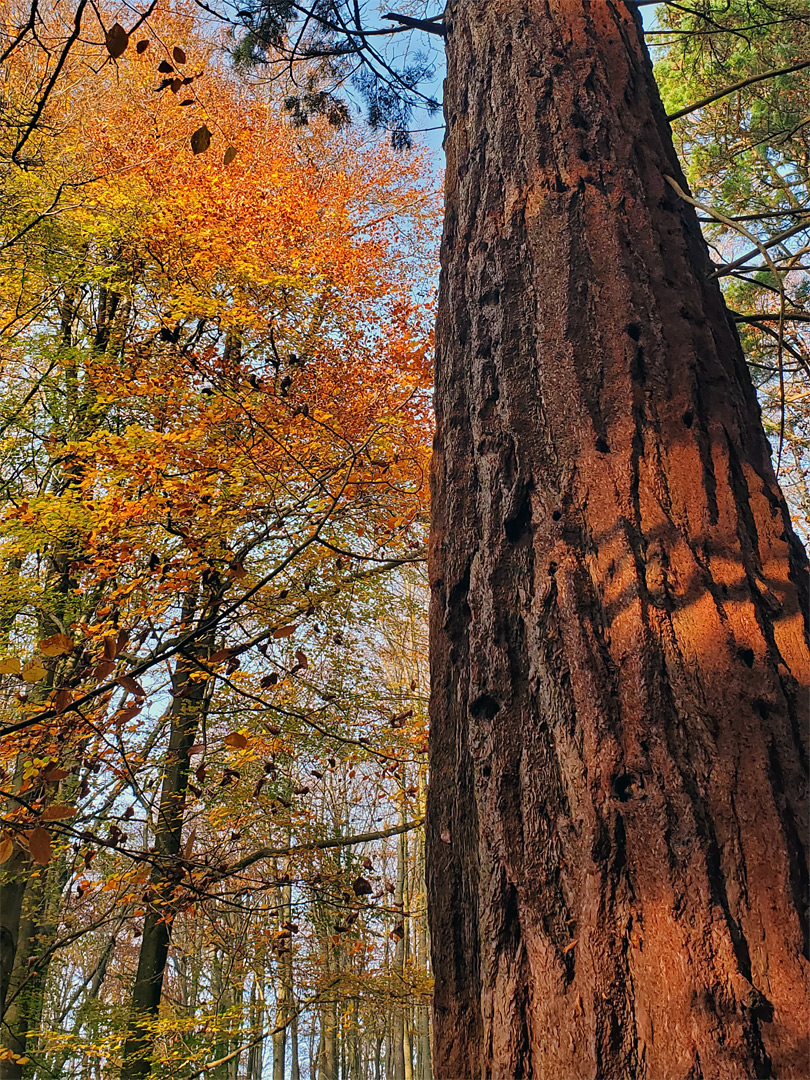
486, 771
485, 707
688, 418
634, 330
552, 568
624, 787
584, 156
519, 523
747, 656
602, 446
556, 515
492, 296
762, 708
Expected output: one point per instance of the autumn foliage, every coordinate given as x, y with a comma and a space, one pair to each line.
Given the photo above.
215, 444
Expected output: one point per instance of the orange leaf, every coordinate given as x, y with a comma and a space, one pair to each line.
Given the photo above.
6, 848
39, 844
301, 657
235, 739
221, 656
285, 631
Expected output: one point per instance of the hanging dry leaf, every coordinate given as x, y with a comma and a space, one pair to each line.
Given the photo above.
221, 656
131, 686
164, 67
34, 672
10, 665
62, 699
53, 774
110, 648
56, 645
285, 631
142, 46
235, 739
200, 140
189, 845
187, 101
39, 844
301, 658
230, 154
179, 55
175, 85
58, 812
116, 40
103, 670
6, 848
123, 716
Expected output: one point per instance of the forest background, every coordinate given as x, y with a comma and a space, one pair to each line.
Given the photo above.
216, 301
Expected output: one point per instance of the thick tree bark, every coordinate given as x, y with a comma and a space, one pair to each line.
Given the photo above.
618, 802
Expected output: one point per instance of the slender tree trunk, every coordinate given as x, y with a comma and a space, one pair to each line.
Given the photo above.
38, 937
617, 812
295, 1064
284, 990
189, 698
12, 890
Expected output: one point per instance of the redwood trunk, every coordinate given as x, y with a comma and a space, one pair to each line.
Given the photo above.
618, 805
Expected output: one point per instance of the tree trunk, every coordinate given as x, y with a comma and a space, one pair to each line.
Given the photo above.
617, 811
189, 700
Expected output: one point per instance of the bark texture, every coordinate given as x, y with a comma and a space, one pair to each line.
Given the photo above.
618, 804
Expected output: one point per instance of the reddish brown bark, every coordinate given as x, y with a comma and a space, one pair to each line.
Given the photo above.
618, 804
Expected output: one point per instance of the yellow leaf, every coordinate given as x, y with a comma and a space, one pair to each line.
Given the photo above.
10, 665
6, 848
34, 672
